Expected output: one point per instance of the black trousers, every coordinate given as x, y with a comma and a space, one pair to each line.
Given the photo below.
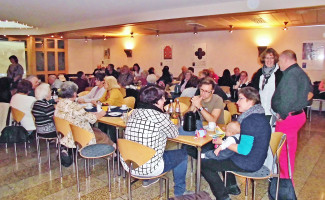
210, 169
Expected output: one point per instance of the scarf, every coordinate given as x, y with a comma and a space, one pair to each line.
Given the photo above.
267, 72
256, 109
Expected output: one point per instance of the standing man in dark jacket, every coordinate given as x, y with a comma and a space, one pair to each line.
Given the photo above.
289, 100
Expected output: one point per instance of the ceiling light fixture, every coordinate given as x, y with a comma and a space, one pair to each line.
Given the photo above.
157, 33
104, 37
230, 28
132, 35
195, 30
13, 24
52, 36
4, 35
86, 39
61, 36
285, 26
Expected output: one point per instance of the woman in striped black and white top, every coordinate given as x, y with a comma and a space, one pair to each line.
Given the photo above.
43, 112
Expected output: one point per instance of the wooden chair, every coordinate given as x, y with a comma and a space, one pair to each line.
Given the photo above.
134, 156
17, 116
276, 143
94, 151
63, 129
232, 108
226, 89
129, 101
83, 93
185, 100
88, 88
226, 116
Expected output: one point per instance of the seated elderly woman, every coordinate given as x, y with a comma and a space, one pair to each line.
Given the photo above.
43, 112
112, 95
24, 103
186, 81
71, 111
250, 151
154, 130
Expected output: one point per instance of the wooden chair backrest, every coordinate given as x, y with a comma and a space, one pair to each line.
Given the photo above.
62, 126
226, 89
276, 143
129, 101
133, 152
232, 108
81, 136
17, 115
88, 88
226, 116
185, 100
83, 93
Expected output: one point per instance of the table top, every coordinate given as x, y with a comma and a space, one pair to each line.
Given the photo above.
113, 121
193, 140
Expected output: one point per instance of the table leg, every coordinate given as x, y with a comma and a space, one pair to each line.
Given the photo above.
198, 170
118, 152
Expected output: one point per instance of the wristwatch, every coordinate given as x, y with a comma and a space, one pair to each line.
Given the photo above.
201, 108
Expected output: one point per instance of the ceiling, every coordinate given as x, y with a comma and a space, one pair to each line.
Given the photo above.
94, 19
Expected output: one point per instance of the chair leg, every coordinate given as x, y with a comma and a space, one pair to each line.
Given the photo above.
59, 155
160, 186
225, 179
277, 188
129, 185
38, 150
246, 186
77, 171
26, 148
48, 153
86, 174
88, 160
253, 189
15, 149
109, 175
167, 187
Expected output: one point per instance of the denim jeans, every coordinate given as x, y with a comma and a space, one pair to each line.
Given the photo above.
176, 160
223, 155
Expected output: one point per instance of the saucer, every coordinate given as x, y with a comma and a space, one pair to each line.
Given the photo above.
114, 114
124, 108
112, 107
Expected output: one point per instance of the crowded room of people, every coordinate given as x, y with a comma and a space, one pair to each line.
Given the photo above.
179, 100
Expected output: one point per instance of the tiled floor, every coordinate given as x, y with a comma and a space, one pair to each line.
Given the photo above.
24, 178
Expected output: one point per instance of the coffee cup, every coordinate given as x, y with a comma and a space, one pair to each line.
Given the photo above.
212, 125
89, 105
124, 106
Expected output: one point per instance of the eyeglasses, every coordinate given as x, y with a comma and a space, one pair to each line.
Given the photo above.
241, 98
205, 91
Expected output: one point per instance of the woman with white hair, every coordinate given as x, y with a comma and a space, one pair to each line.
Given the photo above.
43, 112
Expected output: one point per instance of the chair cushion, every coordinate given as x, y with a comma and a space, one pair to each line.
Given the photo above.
263, 172
97, 150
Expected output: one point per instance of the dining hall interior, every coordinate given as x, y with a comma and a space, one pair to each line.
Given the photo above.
65, 41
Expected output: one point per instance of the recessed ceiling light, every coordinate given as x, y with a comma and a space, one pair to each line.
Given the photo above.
13, 24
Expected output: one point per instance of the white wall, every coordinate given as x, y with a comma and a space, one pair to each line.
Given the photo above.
224, 50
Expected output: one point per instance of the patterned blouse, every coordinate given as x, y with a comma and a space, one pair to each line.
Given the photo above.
76, 115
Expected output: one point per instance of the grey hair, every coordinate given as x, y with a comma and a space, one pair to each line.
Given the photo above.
30, 77
151, 78
42, 91
68, 89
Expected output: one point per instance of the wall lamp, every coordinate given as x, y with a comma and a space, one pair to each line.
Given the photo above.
128, 52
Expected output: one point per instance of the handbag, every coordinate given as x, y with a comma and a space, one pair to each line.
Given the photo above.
14, 133
286, 189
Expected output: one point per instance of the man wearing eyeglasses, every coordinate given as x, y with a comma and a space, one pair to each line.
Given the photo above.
208, 105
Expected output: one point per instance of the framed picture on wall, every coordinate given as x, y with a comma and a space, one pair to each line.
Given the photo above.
168, 52
107, 53
313, 55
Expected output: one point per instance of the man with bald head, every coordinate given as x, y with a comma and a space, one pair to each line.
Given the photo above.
181, 76
288, 101
35, 82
